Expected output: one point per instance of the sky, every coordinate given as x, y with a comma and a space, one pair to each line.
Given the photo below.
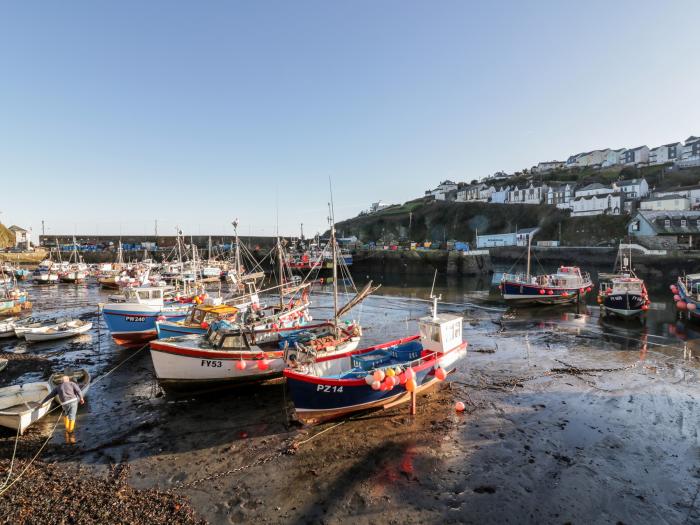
116, 114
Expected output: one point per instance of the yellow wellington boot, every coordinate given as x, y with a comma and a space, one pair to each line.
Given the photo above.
66, 423
72, 425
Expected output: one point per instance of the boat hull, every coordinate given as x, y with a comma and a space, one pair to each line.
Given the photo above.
625, 305
135, 324
523, 294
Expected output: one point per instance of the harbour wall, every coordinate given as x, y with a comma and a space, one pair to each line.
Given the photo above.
421, 262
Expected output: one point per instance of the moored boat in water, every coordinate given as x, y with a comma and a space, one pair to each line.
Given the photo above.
567, 285
622, 293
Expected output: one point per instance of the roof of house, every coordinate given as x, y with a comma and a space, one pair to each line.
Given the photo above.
594, 186
692, 138
657, 221
665, 198
16, 228
638, 148
683, 188
605, 196
523, 231
629, 182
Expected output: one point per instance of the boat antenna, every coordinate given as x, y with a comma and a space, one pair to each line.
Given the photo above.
434, 298
331, 219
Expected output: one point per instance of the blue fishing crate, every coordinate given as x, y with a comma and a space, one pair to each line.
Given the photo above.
371, 360
407, 352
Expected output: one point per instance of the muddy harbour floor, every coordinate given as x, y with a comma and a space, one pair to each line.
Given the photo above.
570, 419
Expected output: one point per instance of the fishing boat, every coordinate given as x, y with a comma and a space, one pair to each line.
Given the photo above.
380, 376
20, 405
76, 271
567, 285
13, 301
45, 273
63, 330
622, 293
133, 322
80, 377
686, 295
233, 354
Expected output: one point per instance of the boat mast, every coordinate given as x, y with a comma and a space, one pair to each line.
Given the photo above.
281, 270
334, 252
529, 243
238, 250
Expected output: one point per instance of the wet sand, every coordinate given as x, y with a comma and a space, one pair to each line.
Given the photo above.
542, 441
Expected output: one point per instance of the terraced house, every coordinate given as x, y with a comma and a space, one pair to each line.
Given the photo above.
529, 194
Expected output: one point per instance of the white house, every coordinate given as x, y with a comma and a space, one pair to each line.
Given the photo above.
690, 154
666, 153
691, 192
671, 202
634, 156
613, 157
21, 237
486, 192
378, 206
442, 189
500, 195
602, 204
544, 167
560, 194
634, 189
530, 194
588, 158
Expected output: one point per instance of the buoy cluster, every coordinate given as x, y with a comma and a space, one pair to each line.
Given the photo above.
680, 303
388, 378
261, 362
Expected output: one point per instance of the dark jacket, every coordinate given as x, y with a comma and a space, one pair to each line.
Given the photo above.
66, 393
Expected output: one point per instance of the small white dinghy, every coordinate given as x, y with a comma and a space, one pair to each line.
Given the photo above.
20, 405
7, 329
58, 331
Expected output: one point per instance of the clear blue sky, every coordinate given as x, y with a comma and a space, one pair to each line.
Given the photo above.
113, 114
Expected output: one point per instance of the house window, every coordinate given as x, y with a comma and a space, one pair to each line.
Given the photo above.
667, 223
683, 223
672, 152
635, 226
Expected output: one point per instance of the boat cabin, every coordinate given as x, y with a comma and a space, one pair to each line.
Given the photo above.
440, 333
623, 285
206, 313
144, 295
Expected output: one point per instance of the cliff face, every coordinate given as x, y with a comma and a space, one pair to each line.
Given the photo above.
7, 238
440, 221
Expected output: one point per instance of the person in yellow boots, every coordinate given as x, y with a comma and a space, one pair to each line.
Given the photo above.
69, 394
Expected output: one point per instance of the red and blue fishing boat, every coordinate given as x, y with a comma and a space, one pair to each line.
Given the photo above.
380, 376
567, 285
133, 321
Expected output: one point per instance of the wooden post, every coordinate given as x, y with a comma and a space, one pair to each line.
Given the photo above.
413, 403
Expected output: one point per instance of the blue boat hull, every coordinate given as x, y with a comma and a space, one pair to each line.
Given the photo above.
523, 294
134, 327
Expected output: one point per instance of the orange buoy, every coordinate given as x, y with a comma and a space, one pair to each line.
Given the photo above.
440, 373
411, 385
240, 365
459, 406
